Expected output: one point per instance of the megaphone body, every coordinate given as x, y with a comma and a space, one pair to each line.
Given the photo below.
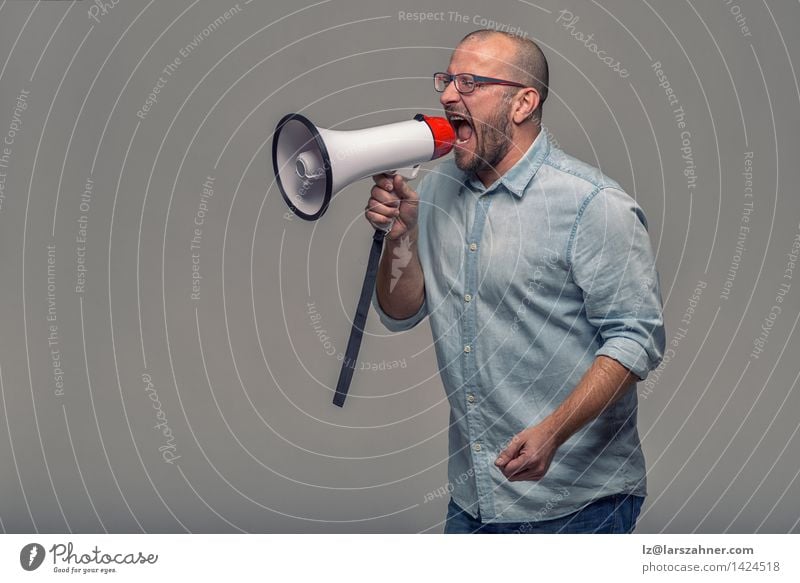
312, 164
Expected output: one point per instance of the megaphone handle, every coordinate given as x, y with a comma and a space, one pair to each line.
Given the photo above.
408, 172
359, 320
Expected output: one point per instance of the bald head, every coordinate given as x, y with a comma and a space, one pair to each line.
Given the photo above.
526, 62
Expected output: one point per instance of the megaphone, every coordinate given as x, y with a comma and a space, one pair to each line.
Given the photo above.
312, 164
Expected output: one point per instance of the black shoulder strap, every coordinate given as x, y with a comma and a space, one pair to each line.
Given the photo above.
357, 331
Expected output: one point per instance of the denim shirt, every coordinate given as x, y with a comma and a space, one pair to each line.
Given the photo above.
526, 282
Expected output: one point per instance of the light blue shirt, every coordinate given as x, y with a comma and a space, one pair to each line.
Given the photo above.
526, 282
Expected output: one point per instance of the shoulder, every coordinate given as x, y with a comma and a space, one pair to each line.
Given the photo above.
581, 174
598, 192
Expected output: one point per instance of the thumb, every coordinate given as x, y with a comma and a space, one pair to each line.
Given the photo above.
509, 453
402, 189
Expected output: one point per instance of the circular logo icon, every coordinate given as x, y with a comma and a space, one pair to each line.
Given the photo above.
31, 556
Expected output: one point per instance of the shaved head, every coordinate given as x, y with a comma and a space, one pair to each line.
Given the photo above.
528, 64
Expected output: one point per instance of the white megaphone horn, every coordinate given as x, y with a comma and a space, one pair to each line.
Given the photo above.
312, 164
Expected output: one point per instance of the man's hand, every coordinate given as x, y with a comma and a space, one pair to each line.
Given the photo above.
529, 454
392, 202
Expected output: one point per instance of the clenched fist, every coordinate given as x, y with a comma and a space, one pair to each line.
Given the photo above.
392, 206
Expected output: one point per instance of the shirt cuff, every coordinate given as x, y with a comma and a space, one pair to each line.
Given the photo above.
629, 353
399, 325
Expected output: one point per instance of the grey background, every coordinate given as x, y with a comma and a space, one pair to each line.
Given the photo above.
243, 380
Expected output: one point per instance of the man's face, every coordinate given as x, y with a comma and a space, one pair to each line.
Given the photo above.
481, 119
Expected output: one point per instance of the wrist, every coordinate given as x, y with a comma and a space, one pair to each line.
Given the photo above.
556, 429
409, 236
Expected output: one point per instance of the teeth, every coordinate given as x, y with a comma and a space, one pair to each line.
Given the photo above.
454, 118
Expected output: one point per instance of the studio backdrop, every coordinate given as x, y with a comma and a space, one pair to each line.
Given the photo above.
171, 332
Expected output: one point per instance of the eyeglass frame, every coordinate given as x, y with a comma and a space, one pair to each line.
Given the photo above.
477, 79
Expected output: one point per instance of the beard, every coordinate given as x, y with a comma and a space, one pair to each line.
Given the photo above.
492, 143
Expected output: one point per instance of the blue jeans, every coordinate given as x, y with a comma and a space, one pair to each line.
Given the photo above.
613, 514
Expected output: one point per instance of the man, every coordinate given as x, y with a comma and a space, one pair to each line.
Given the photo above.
538, 276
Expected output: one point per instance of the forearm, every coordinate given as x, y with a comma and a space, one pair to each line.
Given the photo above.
605, 382
400, 284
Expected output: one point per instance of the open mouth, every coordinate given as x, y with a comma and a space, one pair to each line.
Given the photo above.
462, 127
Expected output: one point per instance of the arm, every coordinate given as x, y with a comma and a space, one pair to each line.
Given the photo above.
530, 452
613, 264
400, 286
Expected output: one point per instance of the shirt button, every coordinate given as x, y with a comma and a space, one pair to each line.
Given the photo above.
473, 246
470, 398
476, 447
467, 348
467, 298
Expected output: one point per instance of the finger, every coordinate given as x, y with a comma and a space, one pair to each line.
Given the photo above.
377, 220
510, 451
526, 476
382, 195
393, 203
402, 188
384, 181
382, 209
515, 466
382, 177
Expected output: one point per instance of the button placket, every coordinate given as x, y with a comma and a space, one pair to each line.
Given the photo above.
476, 430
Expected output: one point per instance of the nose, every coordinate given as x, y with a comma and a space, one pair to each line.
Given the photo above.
449, 95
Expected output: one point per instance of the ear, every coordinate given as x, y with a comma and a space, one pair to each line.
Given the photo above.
526, 102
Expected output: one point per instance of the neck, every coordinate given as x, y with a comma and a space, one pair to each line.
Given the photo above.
519, 145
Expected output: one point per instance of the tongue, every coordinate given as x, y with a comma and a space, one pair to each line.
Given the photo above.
464, 131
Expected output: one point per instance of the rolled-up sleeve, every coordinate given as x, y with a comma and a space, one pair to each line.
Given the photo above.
399, 325
613, 263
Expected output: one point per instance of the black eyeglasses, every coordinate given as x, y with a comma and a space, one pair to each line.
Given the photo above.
466, 82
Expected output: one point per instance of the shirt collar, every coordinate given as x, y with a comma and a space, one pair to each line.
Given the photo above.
518, 177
